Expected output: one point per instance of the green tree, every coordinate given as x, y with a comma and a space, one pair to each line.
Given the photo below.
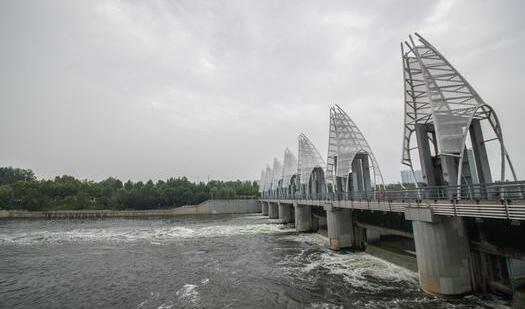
10, 175
6, 196
19, 189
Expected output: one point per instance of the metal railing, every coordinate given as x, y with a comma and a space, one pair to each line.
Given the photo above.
494, 200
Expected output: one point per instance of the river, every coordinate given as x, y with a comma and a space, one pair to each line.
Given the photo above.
240, 261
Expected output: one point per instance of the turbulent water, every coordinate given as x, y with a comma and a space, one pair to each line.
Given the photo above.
197, 262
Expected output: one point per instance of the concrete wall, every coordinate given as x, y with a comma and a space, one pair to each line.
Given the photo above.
402, 260
214, 207
209, 207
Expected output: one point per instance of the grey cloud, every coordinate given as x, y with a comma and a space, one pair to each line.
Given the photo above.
155, 89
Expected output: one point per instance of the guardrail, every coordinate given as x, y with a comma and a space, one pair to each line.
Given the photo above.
495, 211
509, 191
496, 200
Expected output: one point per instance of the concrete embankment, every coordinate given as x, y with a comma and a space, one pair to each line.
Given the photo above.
210, 207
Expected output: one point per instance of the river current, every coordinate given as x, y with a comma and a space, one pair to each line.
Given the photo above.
240, 261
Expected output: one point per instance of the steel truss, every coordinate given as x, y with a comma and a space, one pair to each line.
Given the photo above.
276, 175
268, 179
435, 92
345, 141
308, 159
289, 169
262, 181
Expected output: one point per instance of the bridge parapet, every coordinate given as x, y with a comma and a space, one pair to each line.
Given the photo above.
483, 209
510, 192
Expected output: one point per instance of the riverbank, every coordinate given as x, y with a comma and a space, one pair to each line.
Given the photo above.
209, 207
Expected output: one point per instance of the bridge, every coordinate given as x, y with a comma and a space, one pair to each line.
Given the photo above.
467, 228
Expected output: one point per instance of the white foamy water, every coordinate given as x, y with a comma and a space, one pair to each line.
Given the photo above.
156, 235
187, 296
309, 238
188, 293
369, 274
357, 268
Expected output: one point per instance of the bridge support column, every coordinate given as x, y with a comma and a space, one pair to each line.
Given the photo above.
264, 208
339, 221
359, 238
273, 210
303, 218
442, 251
425, 155
285, 212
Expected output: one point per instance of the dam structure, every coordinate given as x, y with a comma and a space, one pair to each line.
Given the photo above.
465, 224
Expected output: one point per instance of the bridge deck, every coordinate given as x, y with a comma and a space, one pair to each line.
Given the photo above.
475, 210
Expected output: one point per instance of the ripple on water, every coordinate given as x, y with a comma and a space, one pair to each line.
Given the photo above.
155, 235
324, 306
292, 268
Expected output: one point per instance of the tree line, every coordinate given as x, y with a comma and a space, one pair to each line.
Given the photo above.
21, 190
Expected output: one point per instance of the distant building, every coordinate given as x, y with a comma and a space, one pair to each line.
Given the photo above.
408, 177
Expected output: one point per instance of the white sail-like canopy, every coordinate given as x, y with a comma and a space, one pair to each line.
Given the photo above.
453, 103
435, 92
289, 167
268, 178
309, 159
261, 181
277, 173
345, 142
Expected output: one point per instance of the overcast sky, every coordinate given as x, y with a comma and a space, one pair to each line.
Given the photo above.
141, 90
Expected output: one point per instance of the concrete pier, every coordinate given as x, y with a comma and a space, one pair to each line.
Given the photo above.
359, 238
442, 251
264, 208
285, 213
303, 218
273, 211
339, 221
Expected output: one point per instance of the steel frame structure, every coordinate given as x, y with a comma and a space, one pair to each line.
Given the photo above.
345, 142
268, 180
438, 101
262, 181
308, 159
276, 176
436, 93
289, 169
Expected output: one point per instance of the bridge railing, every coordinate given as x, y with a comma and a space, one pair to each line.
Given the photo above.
507, 192
495, 200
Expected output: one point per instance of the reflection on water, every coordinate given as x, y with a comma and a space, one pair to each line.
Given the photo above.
196, 262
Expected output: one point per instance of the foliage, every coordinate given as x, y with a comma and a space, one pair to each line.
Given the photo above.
19, 189
9, 175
